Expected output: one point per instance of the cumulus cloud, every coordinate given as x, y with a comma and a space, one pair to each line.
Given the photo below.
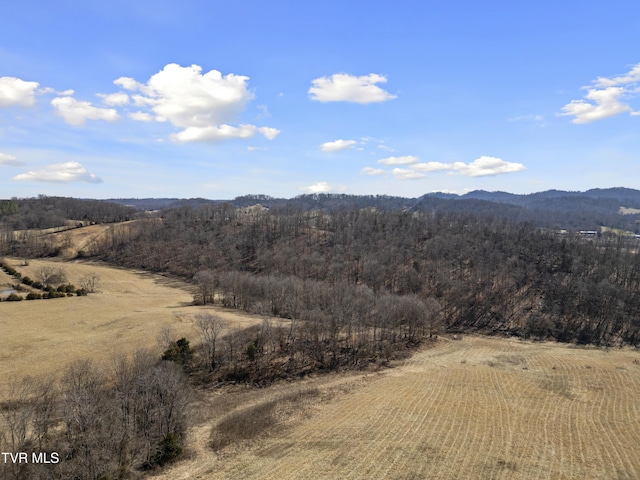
320, 187
607, 97
114, 99
342, 87
337, 145
485, 166
481, 167
220, 133
406, 160
67, 172
432, 166
17, 92
10, 160
141, 116
202, 105
407, 174
63, 93
601, 104
373, 171
632, 76
128, 83
76, 112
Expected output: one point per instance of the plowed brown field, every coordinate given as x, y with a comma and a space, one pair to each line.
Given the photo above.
476, 408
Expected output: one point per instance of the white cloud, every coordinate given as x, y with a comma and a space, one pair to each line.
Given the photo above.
631, 77
114, 99
146, 102
128, 83
480, 167
605, 103
141, 116
337, 145
10, 160
320, 187
342, 87
60, 173
432, 166
485, 166
407, 174
201, 105
373, 171
63, 93
406, 160
215, 134
16, 92
607, 97
268, 132
186, 98
77, 113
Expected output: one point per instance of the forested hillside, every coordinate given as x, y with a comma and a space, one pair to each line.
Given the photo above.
410, 266
47, 212
399, 267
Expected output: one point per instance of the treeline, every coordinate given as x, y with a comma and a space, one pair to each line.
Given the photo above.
48, 212
487, 275
95, 424
331, 325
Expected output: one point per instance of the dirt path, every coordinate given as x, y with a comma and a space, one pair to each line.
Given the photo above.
472, 408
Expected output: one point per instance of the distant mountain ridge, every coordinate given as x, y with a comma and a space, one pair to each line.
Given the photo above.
549, 209
618, 193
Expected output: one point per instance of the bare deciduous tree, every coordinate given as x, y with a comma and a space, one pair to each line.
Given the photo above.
48, 275
90, 282
210, 327
206, 283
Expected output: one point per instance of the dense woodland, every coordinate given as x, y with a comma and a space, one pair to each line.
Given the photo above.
356, 281
90, 424
483, 274
354, 260
48, 212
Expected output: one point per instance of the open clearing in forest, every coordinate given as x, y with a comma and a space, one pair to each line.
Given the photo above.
629, 211
472, 408
129, 311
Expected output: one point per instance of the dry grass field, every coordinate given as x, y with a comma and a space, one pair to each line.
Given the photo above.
629, 211
129, 311
475, 408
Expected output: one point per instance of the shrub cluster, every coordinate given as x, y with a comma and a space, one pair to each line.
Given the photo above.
9, 270
64, 290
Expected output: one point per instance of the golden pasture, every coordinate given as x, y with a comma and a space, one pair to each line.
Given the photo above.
476, 408
129, 311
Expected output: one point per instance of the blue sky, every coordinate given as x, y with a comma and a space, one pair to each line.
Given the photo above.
218, 99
